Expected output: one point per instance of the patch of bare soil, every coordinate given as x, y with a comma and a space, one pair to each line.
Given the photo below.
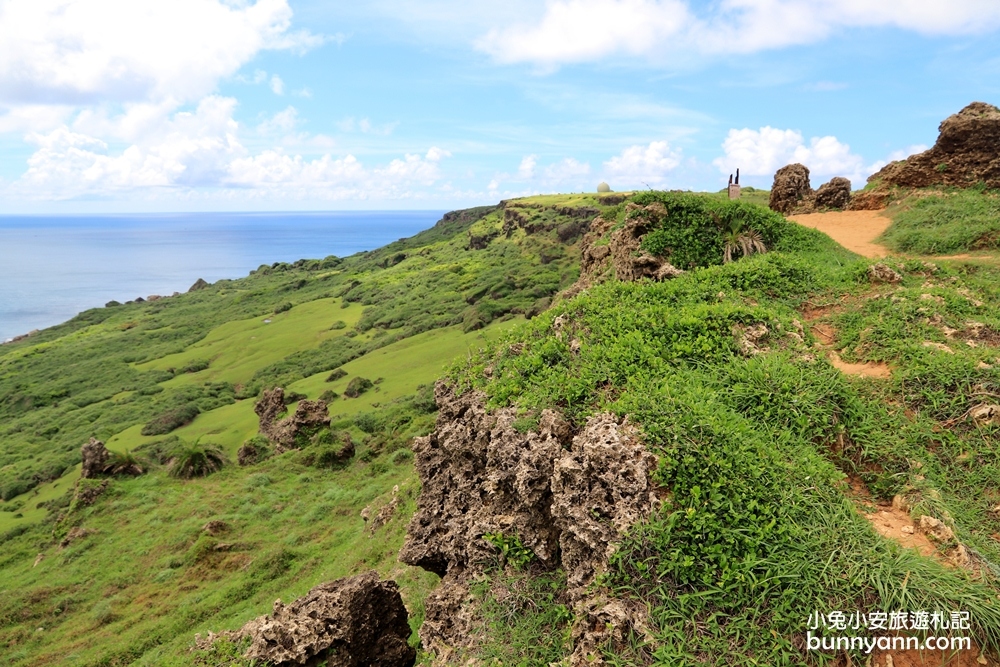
913, 658
826, 336
855, 230
868, 369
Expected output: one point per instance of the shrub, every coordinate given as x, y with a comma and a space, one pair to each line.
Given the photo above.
170, 420
123, 463
339, 324
695, 228
329, 396
254, 450
336, 375
357, 386
281, 308
102, 613
194, 366
197, 461
368, 422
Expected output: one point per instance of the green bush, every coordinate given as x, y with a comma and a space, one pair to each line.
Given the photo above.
336, 374
357, 386
170, 420
695, 228
339, 324
329, 396
196, 461
282, 308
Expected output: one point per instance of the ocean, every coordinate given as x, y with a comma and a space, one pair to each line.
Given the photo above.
53, 267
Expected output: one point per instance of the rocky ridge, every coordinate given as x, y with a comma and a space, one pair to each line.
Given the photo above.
566, 494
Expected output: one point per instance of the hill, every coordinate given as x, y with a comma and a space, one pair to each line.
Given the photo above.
639, 450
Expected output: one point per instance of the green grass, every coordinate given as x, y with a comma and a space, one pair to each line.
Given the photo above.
756, 530
939, 224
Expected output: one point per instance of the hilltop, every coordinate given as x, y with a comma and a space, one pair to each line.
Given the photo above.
654, 428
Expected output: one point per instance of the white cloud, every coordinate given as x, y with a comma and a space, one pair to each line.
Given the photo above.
83, 51
642, 165
526, 170
201, 151
366, 126
762, 152
570, 31
283, 121
277, 85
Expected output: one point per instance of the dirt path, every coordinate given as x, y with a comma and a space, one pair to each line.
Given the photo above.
855, 230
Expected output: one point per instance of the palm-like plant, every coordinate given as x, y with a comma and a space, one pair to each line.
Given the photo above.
197, 461
122, 463
744, 241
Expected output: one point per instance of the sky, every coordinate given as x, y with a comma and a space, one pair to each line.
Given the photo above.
204, 105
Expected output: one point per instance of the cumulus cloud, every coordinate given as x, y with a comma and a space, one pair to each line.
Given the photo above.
202, 150
764, 151
277, 85
642, 165
570, 31
532, 178
70, 52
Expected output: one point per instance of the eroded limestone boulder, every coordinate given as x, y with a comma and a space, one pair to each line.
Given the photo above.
308, 418
356, 621
835, 194
95, 459
790, 189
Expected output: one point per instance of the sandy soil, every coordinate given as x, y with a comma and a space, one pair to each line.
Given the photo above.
855, 230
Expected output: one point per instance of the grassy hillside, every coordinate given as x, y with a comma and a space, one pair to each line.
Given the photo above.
772, 462
935, 223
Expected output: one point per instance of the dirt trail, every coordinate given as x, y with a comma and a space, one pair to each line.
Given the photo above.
855, 230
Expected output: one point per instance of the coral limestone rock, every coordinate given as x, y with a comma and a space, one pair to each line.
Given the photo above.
791, 187
95, 459
351, 622
835, 194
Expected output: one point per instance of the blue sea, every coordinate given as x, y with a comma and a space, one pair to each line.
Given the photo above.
53, 267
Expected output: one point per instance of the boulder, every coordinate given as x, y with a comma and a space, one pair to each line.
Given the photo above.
834, 194
790, 189
567, 495
308, 418
356, 621
199, 284
967, 152
95, 459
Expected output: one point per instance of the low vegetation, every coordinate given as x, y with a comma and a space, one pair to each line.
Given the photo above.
949, 222
768, 456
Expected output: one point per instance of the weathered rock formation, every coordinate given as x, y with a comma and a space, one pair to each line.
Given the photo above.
790, 189
95, 459
621, 252
356, 621
199, 284
967, 151
792, 192
284, 434
568, 497
834, 194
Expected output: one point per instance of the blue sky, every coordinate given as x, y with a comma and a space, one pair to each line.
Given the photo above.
134, 105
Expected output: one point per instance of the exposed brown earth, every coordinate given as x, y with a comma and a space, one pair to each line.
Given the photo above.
855, 230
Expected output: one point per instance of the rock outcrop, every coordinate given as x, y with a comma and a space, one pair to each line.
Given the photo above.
834, 194
95, 459
967, 152
199, 284
308, 418
620, 253
356, 621
790, 189
568, 497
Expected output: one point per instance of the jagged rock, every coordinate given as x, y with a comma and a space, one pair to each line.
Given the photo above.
199, 284
356, 621
75, 533
95, 459
567, 497
967, 151
834, 194
604, 624
86, 493
790, 189
881, 273
621, 254
309, 417
985, 414
216, 527
936, 529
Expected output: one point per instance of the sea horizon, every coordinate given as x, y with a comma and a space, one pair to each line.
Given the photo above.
54, 266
